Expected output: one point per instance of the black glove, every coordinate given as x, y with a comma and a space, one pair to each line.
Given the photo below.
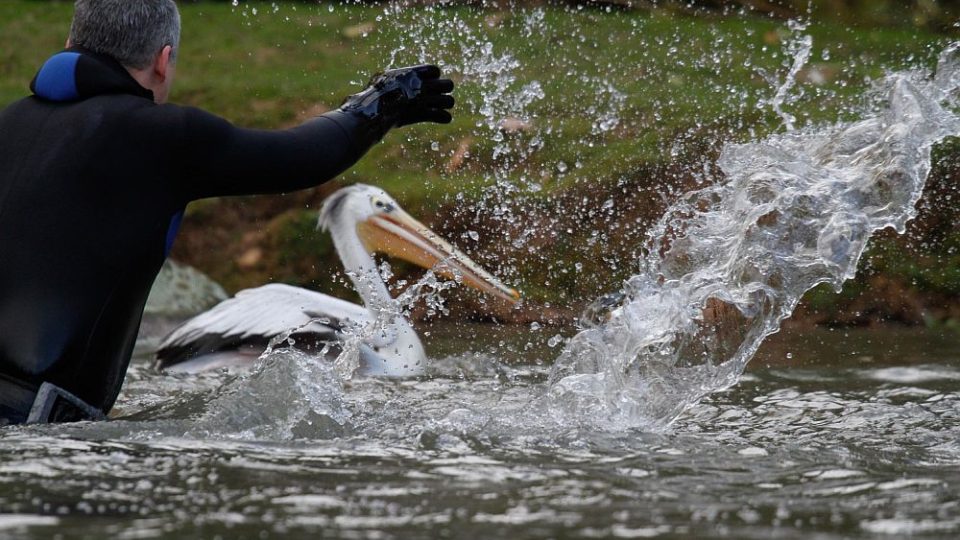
404, 96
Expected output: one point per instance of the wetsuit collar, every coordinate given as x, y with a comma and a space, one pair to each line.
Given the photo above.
76, 74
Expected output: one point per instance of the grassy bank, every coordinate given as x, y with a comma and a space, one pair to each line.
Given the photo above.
609, 115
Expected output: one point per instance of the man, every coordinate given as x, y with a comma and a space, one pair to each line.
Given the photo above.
95, 171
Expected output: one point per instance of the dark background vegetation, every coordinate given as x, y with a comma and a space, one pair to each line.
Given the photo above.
283, 65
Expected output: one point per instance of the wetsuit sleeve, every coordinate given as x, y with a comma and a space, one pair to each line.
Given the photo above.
221, 159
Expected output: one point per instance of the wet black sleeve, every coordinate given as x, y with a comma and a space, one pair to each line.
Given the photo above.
219, 159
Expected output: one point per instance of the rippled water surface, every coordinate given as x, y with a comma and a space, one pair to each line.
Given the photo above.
829, 434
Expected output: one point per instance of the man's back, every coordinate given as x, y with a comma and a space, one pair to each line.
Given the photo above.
86, 207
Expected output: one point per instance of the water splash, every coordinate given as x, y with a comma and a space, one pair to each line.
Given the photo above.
798, 52
289, 394
494, 91
294, 394
727, 263
724, 265
428, 289
607, 111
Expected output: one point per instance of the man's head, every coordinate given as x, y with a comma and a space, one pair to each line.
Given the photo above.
143, 35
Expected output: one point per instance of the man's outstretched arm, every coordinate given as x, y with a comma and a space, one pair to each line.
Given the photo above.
221, 159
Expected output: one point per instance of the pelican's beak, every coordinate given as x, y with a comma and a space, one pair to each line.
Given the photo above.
398, 235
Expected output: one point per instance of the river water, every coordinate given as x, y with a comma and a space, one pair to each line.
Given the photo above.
829, 434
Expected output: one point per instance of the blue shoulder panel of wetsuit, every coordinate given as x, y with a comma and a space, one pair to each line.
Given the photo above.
57, 80
172, 230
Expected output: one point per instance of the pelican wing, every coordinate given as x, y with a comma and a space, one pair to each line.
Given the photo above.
254, 316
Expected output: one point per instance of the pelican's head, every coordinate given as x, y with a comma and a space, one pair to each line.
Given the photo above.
385, 228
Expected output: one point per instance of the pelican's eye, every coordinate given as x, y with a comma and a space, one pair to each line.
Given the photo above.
386, 207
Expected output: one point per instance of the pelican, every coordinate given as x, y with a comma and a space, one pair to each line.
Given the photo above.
362, 220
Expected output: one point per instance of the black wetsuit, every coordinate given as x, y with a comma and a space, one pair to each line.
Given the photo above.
94, 177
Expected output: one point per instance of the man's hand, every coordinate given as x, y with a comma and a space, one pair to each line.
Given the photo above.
404, 96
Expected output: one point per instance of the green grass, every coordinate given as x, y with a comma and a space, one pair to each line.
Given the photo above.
686, 84
267, 69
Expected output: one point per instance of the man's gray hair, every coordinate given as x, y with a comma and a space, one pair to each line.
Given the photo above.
131, 31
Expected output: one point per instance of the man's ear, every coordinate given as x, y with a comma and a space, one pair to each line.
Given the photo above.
68, 44
161, 64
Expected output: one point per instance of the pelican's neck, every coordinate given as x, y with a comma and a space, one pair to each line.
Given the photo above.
396, 349
360, 266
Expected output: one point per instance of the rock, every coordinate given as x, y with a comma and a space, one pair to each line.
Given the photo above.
818, 74
250, 258
460, 155
515, 125
182, 290
358, 30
